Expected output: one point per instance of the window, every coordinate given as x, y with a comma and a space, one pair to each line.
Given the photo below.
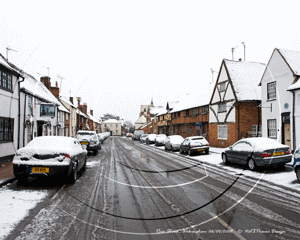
191, 131
178, 114
222, 86
272, 128
29, 105
187, 112
271, 88
5, 81
256, 131
195, 111
6, 129
184, 128
222, 132
222, 107
205, 109
67, 116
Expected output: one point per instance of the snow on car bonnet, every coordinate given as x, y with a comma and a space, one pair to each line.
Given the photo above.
262, 143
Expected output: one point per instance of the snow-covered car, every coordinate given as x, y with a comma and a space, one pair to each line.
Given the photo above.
160, 140
89, 139
192, 145
257, 152
143, 138
150, 139
296, 164
102, 137
173, 142
50, 156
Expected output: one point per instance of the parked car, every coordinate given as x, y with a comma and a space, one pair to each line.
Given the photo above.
128, 134
173, 142
89, 139
160, 140
192, 145
296, 164
101, 137
143, 138
137, 134
150, 138
50, 156
256, 152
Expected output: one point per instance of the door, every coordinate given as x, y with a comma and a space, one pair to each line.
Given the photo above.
287, 134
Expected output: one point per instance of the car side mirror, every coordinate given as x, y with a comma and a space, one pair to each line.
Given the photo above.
230, 148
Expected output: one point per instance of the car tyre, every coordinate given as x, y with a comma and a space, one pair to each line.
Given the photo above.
172, 149
297, 171
22, 180
180, 150
95, 152
73, 176
224, 159
206, 151
251, 164
190, 152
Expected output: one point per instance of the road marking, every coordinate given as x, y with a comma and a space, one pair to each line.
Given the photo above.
227, 226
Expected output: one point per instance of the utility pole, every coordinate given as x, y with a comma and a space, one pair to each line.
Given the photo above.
244, 51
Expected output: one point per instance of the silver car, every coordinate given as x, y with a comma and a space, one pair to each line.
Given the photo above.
173, 142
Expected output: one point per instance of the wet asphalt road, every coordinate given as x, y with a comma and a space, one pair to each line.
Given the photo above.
132, 191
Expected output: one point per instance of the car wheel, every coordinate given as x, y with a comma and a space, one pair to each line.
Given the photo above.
22, 180
251, 164
180, 150
298, 173
224, 159
84, 165
172, 149
206, 151
190, 152
95, 152
73, 177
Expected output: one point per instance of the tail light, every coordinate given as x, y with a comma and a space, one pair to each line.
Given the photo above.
288, 152
266, 154
67, 158
192, 146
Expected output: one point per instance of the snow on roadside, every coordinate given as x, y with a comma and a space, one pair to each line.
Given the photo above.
15, 207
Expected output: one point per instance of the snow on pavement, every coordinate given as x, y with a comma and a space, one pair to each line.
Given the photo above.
15, 206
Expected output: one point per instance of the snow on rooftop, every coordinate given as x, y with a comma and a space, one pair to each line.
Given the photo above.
111, 121
292, 58
245, 77
197, 98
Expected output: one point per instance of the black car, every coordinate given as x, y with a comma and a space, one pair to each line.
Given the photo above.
192, 145
50, 156
256, 152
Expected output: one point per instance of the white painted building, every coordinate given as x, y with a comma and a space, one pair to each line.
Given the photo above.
113, 126
281, 98
9, 111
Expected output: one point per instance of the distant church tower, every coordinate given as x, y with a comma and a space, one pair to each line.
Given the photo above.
145, 108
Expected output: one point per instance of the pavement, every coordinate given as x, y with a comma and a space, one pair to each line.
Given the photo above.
6, 173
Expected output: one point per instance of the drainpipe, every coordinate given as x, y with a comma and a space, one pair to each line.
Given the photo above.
24, 124
294, 132
19, 110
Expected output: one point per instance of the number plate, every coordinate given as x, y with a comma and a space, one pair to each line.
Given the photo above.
84, 143
40, 170
278, 153
200, 149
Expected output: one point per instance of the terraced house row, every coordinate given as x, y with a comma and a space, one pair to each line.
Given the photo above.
31, 108
248, 99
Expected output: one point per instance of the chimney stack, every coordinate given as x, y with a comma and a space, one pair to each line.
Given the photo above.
92, 112
46, 81
71, 100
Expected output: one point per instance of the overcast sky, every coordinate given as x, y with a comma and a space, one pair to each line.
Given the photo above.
117, 55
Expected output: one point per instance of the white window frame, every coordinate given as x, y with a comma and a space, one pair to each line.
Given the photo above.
271, 91
222, 132
272, 128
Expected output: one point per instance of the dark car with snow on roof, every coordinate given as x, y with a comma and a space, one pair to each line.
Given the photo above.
257, 152
50, 156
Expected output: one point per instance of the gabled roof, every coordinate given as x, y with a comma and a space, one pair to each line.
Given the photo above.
245, 77
64, 99
142, 119
292, 58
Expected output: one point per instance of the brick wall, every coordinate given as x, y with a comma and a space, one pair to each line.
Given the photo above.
247, 114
